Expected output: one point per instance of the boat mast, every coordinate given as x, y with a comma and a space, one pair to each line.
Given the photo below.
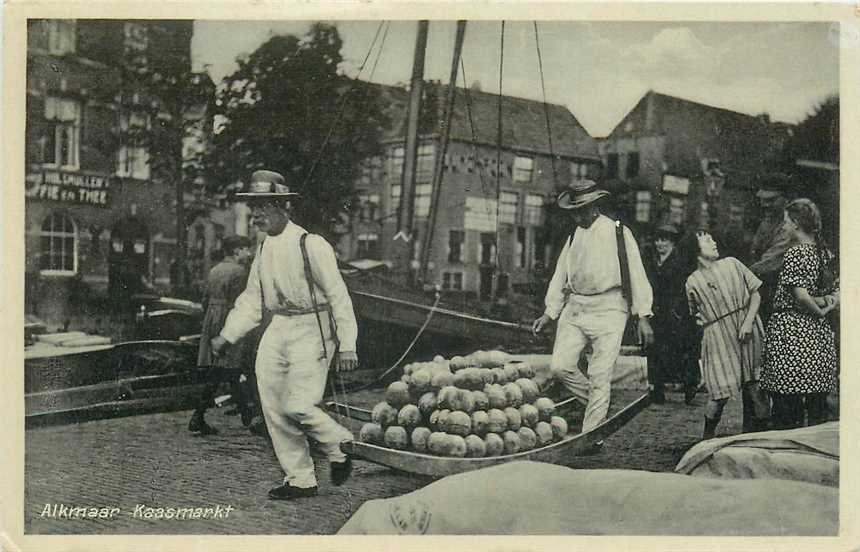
406, 210
439, 166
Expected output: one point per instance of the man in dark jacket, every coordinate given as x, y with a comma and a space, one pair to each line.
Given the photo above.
771, 240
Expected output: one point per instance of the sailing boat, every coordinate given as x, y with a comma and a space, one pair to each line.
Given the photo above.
477, 153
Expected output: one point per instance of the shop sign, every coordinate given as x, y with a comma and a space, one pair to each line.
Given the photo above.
676, 184
68, 187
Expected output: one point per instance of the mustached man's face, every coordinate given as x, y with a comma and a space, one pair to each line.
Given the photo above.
270, 218
585, 216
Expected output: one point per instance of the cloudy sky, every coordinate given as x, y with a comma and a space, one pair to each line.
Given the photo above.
598, 70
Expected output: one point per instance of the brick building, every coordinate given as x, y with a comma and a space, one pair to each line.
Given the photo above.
480, 246
691, 164
99, 221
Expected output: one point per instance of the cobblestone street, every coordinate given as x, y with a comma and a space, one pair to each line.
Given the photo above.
154, 460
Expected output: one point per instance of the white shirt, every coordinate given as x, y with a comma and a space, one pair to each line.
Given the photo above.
285, 286
588, 271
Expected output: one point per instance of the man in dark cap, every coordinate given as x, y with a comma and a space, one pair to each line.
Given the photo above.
771, 240
294, 280
586, 297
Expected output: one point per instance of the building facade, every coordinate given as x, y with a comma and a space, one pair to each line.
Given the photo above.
489, 230
690, 164
100, 220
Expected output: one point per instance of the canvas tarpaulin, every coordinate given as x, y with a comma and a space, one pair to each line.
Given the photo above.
808, 454
522, 498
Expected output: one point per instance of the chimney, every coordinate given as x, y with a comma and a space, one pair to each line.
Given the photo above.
650, 108
476, 86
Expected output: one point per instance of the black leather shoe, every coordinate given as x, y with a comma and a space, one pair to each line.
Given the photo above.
258, 427
288, 492
658, 396
689, 395
340, 471
199, 425
246, 417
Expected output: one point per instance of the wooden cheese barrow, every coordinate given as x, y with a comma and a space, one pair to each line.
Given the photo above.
560, 452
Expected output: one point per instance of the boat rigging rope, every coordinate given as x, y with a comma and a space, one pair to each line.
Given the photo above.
499, 142
478, 165
341, 109
545, 107
396, 364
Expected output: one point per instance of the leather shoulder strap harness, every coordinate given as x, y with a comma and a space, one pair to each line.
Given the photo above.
626, 290
309, 276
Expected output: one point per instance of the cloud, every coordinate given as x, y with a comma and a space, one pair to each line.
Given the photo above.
676, 51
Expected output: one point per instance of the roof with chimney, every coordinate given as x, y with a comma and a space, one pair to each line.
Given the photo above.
475, 119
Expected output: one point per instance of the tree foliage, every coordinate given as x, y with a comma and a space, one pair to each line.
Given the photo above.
816, 137
163, 104
281, 110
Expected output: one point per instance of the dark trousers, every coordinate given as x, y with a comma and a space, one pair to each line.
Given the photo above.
791, 410
674, 356
237, 390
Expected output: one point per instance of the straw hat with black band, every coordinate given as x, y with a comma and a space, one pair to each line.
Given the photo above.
267, 185
580, 194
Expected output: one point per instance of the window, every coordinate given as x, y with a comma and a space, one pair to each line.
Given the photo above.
704, 213
395, 161
534, 210
61, 36
368, 246
520, 253
508, 207
134, 121
396, 190
368, 204
612, 165
133, 155
677, 214
422, 199
455, 245
425, 163
60, 144
58, 251
632, 169
366, 176
487, 252
643, 206
452, 281
578, 170
133, 162
523, 169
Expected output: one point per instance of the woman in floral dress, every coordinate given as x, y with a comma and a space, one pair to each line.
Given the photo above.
800, 365
723, 296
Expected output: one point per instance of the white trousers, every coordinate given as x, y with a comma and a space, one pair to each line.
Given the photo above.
578, 326
291, 376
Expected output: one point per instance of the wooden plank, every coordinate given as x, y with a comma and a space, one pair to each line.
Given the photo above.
436, 466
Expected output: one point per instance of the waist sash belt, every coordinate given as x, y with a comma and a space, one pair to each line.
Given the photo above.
726, 315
